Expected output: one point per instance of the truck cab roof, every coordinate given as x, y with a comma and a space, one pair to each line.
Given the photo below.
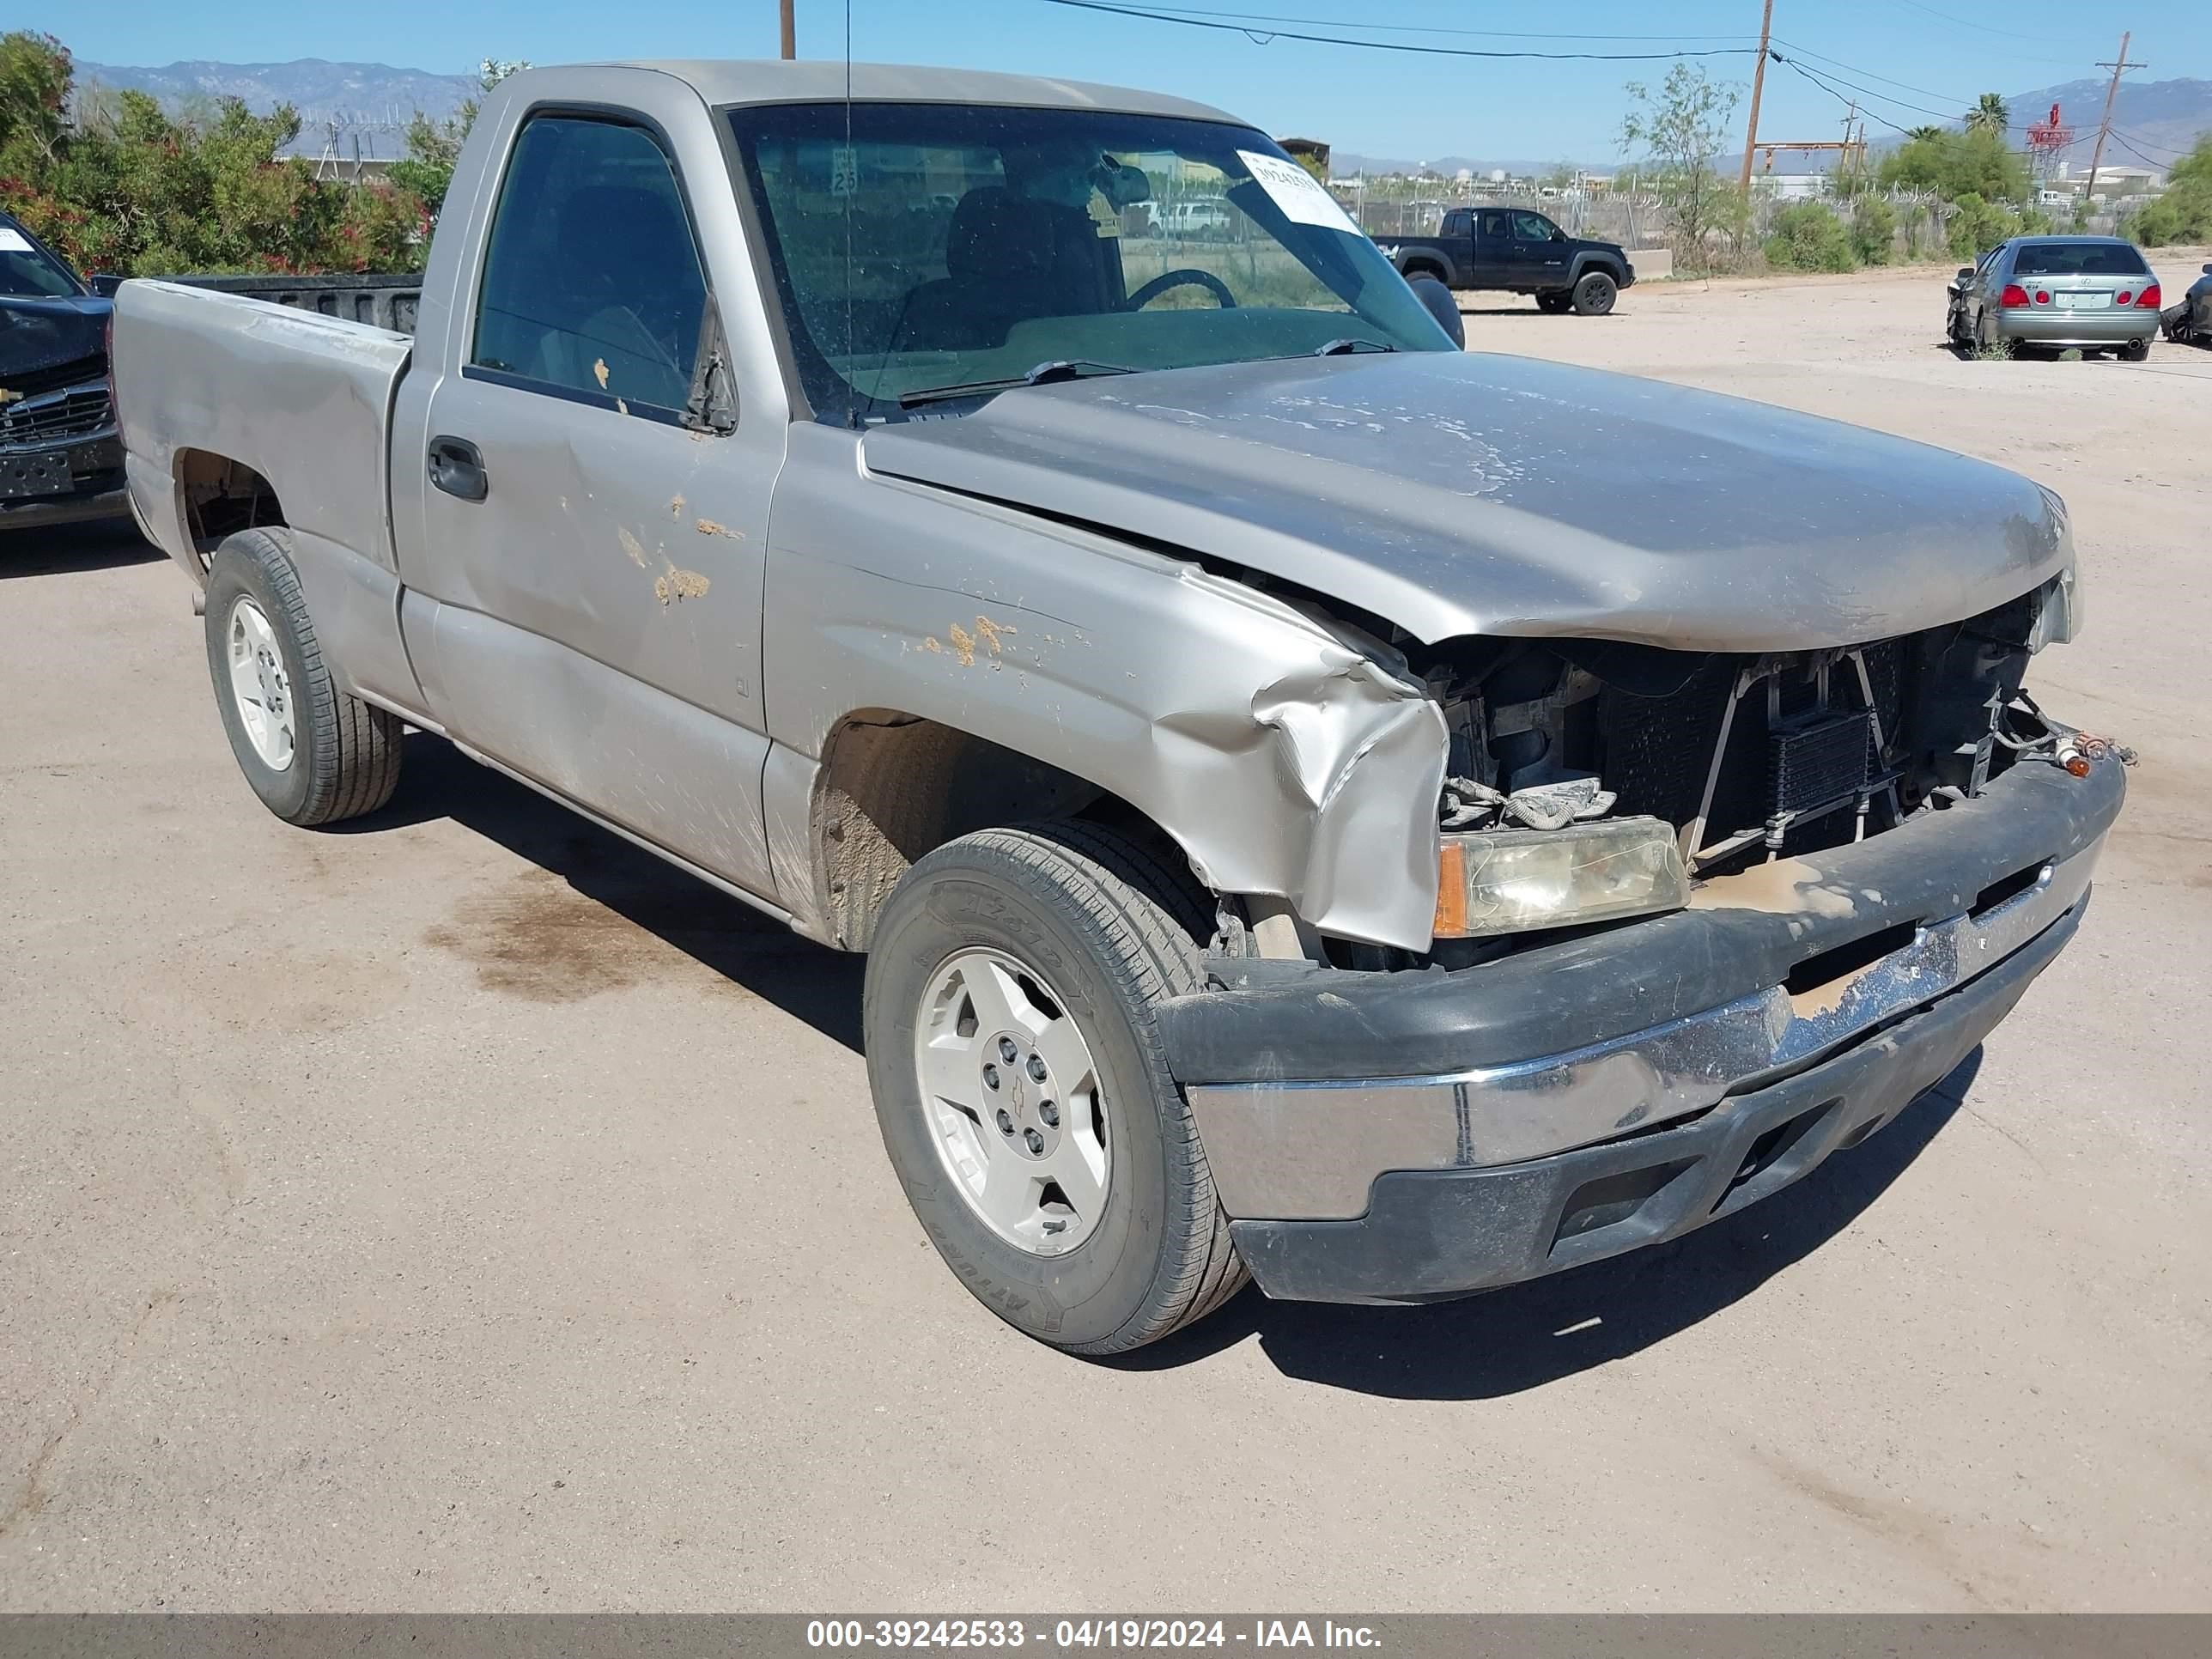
771, 80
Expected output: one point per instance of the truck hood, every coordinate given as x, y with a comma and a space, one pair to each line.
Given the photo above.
39, 336
1455, 494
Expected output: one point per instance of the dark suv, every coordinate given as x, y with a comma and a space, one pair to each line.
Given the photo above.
60, 460
1518, 251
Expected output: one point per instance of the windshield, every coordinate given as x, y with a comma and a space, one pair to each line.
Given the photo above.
27, 272
2078, 259
954, 246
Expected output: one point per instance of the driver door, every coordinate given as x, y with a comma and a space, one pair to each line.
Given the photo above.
598, 554
1540, 253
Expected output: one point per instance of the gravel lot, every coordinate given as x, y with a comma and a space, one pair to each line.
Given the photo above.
461, 1212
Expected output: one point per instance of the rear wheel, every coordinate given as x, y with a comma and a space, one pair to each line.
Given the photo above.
1554, 303
1594, 295
313, 754
1989, 342
1022, 1091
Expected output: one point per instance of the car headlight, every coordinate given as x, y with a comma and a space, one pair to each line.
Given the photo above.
1504, 881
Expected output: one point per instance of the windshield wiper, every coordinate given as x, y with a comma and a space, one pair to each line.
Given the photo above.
1045, 374
1349, 344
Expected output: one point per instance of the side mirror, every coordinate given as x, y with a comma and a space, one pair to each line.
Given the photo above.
1125, 186
1965, 273
2208, 270
712, 406
1438, 300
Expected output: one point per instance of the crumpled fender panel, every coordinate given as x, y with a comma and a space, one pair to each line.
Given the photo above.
1283, 757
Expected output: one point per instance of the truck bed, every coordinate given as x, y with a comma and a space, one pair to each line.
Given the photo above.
382, 302
280, 389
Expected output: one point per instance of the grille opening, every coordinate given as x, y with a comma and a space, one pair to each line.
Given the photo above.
1772, 1147
1614, 1198
2007, 887
1830, 966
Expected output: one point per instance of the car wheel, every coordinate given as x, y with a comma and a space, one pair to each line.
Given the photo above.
1022, 1090
1554, 303
313, 754
1989, 342
2135, 350
1594, 295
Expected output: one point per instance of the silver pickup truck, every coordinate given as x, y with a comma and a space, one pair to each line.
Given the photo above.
1319, 805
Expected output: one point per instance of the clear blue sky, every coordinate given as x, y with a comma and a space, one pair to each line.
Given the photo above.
1380, 103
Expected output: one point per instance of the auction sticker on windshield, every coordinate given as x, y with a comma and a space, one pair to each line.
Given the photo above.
1297, 191
14, 242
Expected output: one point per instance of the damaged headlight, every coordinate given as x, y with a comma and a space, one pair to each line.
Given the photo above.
1507, 881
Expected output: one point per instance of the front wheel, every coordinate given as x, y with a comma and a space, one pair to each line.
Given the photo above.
1594, 295
1022, 1091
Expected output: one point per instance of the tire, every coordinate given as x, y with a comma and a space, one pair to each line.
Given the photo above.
2135, 351
342, 759
1555, 303
1594, 295
1105, 930
1986, 339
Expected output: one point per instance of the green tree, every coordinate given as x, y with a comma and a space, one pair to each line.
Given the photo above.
1873, 230
138, 192
1680, 131
1807, 236
1952, 164
1977, 226
35, 85
1924, 132
1990, 114
2183, 213
434, 145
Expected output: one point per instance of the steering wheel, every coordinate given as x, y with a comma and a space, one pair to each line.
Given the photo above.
1188, 276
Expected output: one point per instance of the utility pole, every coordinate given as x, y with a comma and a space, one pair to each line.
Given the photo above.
2097, 155
791, 34
1759, 86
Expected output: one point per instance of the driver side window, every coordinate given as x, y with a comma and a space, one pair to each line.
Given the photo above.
1532, 228
593, 283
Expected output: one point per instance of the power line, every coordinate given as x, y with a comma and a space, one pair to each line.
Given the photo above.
1263, 37
1423, 28
1793, 64
1807, 52
2152, 143
1868, 92
1965, 23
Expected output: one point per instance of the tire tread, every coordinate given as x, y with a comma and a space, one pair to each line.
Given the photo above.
352, 748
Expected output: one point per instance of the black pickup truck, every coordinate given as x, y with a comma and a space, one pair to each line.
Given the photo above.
1518, 251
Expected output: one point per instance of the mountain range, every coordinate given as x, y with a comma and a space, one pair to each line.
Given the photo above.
370, 102
2155, 121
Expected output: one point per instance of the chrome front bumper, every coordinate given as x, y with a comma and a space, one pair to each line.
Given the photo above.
1312, 1150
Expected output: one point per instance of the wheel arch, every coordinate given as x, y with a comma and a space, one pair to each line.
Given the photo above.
217, 496
892, 787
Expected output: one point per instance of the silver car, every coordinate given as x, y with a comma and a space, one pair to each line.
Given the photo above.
2096, 293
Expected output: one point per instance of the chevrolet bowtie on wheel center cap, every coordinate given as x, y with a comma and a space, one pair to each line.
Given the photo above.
1012, 1099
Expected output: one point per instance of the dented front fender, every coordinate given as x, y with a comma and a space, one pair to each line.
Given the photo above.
1283, 755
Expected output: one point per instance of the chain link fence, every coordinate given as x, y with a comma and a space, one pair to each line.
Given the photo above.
1920, 230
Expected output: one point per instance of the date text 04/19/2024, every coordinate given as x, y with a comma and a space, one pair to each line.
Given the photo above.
1071, 1634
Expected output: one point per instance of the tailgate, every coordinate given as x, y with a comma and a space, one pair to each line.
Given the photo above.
304, 400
